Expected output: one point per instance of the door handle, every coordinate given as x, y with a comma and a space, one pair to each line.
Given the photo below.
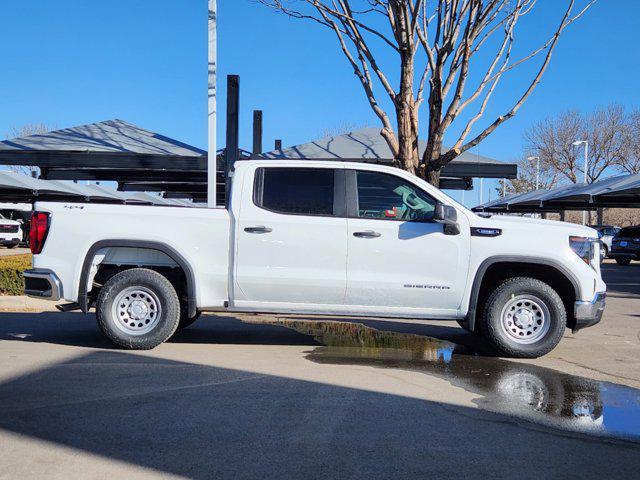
259, 229
367, 234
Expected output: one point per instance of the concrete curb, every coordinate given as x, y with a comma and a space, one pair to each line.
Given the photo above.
22, 303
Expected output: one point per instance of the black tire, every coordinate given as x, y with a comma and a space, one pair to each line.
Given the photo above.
623, 261
505, 344
185, 321
606, 251
12, 246
162, 325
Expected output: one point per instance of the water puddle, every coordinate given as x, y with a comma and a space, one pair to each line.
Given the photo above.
517, 389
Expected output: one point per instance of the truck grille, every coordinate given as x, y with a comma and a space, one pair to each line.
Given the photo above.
9, 228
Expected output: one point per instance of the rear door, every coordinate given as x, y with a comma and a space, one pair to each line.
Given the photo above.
399, 260
292, 239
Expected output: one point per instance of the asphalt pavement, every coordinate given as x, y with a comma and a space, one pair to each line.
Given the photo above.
5, 252
276, 397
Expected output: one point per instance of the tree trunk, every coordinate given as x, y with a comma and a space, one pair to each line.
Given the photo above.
407, 136
407, 115
433, 177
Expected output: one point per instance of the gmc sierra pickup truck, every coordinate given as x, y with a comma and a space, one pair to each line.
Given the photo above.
320, 238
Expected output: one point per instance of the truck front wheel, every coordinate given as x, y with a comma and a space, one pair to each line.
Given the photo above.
138, 309
523, 318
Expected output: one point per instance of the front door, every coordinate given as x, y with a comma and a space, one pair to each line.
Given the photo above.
399, 260
292, 240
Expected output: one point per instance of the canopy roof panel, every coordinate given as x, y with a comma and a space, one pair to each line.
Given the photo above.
618, 191
110, 144
115, 136
367, 145
15, 187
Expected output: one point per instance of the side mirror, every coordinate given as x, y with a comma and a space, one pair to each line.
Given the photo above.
448, 216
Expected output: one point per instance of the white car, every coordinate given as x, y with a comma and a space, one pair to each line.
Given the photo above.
321, 238
10, 232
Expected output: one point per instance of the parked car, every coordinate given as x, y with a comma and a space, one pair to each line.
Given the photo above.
324, 238
607, 232
10, 232
626, 245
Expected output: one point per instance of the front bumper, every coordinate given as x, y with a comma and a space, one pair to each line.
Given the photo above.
10, 241
589, 313
625, 254
42, 283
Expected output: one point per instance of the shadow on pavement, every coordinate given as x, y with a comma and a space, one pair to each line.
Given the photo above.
208, 422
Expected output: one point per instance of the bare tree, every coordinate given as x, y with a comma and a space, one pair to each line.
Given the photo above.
438, 44
604, 129
25, 131
547, 177
630, 161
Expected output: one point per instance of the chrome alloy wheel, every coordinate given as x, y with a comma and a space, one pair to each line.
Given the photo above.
525, 319
136, 310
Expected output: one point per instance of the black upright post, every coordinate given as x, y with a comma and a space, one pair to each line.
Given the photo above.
232, 146
257, 133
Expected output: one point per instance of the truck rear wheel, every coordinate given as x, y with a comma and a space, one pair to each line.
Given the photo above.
523, 318
623, 261
138, 309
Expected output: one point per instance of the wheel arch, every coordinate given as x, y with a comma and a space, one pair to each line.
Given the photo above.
173, 254
550, 271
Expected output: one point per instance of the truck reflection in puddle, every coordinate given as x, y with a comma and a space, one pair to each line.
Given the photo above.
517, 389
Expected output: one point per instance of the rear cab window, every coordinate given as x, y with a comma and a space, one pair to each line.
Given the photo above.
296, 191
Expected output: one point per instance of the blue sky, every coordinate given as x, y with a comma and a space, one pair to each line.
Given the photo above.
71, 62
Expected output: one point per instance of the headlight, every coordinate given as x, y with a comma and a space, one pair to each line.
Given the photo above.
586, 248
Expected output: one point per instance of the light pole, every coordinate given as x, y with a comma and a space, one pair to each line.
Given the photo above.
586, 156
212, 159
537, 159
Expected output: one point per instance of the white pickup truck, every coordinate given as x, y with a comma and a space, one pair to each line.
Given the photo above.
321, 238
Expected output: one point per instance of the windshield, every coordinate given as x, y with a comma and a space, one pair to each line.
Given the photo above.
629, 232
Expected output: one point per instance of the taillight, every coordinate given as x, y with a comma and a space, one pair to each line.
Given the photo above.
38, 230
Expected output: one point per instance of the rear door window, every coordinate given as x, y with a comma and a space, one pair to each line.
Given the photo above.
296, 191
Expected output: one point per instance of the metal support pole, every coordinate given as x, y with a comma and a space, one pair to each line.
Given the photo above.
586, 155
233, 115
257, 133
212, 163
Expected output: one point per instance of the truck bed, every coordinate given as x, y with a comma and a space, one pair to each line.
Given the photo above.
199, 235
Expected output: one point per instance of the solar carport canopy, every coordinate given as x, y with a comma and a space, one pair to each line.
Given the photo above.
18, 188
367, 145
113, 144
618, 191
